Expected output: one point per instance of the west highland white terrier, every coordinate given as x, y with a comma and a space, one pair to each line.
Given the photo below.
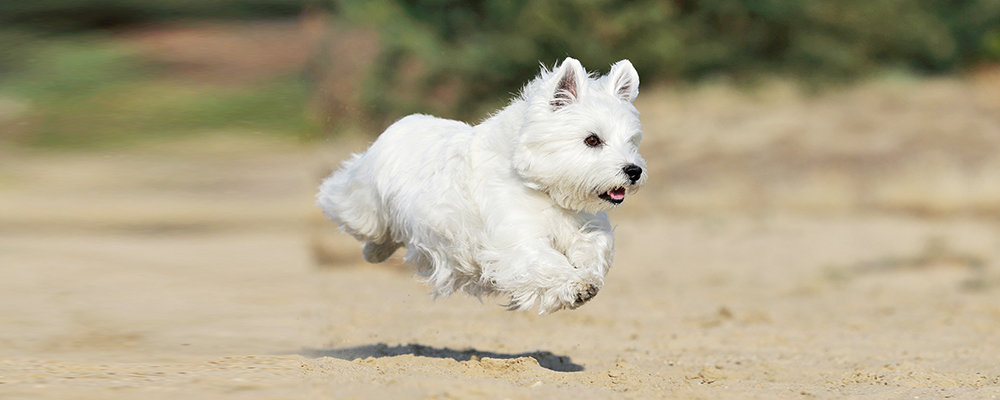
512, 206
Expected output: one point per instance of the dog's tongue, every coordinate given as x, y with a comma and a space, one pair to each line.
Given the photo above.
617, 194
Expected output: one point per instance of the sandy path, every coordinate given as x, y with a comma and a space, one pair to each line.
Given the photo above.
779, 307
743, 309
151, 276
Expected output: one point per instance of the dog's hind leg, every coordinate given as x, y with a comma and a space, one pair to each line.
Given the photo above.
379, 252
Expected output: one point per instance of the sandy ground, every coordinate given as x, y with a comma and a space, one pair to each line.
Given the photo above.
754, 266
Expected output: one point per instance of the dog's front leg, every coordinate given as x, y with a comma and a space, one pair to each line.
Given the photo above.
593, 245
532, 272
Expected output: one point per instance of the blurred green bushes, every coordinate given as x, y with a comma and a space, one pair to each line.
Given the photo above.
466, 53
79, 15
67, 82
458, 58
83, 91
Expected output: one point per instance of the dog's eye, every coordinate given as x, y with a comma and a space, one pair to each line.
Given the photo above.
593, 140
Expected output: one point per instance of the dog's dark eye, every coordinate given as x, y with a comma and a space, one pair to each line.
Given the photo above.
593, 141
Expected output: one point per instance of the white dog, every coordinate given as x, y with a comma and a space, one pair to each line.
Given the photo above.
511, 206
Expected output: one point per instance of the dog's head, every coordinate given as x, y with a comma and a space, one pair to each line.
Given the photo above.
580, 139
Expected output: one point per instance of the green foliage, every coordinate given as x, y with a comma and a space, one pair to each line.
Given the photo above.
463, 58
86, 92
466, 56
77, 15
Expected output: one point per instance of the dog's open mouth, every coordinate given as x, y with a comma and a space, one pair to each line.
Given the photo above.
615, 196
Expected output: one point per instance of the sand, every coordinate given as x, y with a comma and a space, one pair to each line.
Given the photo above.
199, 269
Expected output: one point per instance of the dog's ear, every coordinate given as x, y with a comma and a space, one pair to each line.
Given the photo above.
569, 79
624, 81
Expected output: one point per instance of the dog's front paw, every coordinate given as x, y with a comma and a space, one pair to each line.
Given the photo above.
569, 296
550, 286
585, 295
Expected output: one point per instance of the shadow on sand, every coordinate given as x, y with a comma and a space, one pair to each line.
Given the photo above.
545, 359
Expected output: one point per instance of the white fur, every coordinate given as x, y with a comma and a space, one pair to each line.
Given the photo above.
510, 206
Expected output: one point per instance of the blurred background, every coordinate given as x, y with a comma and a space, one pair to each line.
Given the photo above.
748, 105
812, 163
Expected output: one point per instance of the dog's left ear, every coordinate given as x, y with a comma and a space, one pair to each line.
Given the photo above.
624, 81
570, 76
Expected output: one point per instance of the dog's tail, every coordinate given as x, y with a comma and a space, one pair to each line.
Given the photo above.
348, 198
332, 189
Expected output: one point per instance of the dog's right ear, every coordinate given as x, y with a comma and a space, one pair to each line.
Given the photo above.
570, 76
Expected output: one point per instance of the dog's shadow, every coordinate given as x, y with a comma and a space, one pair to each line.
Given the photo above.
545, 359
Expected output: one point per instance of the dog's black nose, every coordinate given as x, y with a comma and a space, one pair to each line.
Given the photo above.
633, 171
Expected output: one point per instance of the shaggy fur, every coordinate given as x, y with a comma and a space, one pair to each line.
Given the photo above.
511, 206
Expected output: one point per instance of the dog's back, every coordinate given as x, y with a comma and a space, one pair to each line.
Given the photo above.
403, 173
